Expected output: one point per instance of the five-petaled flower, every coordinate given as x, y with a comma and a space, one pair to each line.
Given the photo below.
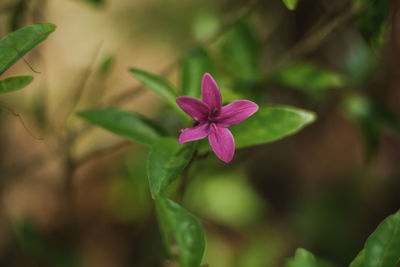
213, 118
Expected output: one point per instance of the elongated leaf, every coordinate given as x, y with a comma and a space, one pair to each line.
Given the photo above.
167, 160
307, 77
179, 227
18, 43
158, 85
382, 248
270, 124
195, 63
290, 4
304, 258
126, 124
14, 83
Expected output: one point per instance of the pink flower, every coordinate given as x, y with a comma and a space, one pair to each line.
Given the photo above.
213, 118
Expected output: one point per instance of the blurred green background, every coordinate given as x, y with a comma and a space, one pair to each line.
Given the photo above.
73, 195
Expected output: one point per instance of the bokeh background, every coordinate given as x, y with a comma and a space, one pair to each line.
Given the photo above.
76, 195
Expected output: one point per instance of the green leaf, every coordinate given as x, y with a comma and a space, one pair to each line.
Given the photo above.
270, 124
241, 51
126, 124
371, 21
304, 258
14, 83
158, 85
290, 4
167, 160
195, 63
18, 43
307, 77
382, 248
358, 261
180, 228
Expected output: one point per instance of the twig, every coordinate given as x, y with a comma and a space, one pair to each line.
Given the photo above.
21, 119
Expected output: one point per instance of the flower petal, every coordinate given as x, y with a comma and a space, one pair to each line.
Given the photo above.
222, 143
194, 107
210, 92
236, 112
195, 133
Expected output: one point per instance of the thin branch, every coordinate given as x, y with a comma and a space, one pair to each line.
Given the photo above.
21, 120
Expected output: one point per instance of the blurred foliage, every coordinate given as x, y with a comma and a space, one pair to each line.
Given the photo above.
304, 258
31, 240
359, 64
372, 21
211, 197
195, 63
290, 4
371, 117
307, 77
311, 190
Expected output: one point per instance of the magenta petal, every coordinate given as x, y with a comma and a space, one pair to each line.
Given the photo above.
210, 92
195, 133
236, 112
194, 107
222, 143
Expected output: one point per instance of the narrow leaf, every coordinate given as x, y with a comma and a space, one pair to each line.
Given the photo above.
14, 83
126, 124
290, 4
18, 43
180, 228
195, 63
158, 85
167, 160
307, 77
382, 248
270, 124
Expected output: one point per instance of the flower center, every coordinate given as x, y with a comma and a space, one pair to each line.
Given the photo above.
212, 116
